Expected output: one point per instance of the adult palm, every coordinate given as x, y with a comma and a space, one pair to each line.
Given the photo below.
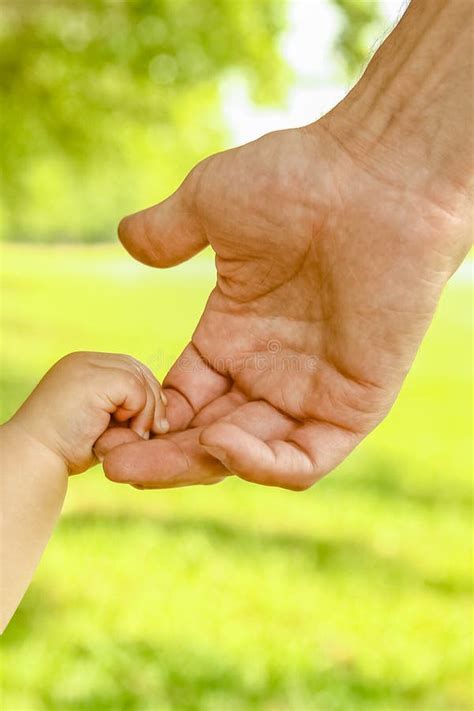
330, 257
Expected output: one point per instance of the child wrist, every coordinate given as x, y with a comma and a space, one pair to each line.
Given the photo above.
47, 456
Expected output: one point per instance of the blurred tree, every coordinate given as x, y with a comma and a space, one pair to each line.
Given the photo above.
99, 94
362, 23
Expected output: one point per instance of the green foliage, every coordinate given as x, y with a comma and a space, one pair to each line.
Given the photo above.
95, 89
353, 596
106, 105
74, 67
362, 25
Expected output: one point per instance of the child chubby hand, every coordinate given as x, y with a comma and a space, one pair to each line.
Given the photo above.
53, 435
82, 396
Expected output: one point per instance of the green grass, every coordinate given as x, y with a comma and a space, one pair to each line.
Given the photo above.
353, 596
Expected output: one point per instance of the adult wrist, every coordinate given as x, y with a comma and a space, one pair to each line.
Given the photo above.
410, 115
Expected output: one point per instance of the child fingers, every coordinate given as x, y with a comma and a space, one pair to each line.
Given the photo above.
160, 423
128, 394
142, 423
150, 414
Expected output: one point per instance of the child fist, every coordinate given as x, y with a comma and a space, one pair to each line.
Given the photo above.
82, 396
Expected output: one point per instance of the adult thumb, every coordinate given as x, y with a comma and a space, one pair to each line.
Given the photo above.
165, 234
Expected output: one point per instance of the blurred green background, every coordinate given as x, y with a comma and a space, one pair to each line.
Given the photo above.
355, 595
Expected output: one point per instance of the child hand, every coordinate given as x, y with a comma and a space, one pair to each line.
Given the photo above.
82, 395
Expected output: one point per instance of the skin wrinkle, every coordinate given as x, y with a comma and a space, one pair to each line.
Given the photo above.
338, 370
363, 158
299, 270
401, 61
351, 378
447, 60
183, 454
355, 379
335, 401
175, 389
150, 247
372, 170
301, 483
343, 376
329, 240
290, 419
299, 267
267, 275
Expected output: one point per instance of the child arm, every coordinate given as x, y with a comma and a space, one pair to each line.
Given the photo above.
53, 435
33, 487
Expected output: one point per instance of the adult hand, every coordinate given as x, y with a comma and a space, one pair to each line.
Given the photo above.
333, 243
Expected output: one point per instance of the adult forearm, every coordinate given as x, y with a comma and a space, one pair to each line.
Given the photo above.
415, 98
